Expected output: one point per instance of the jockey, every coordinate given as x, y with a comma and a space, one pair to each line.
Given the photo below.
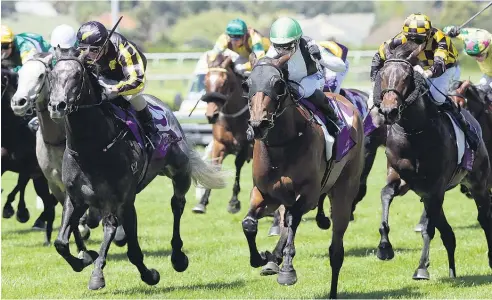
19, 48
439, 61
477, 45
121, 61
303, 66
238, 42
333, 80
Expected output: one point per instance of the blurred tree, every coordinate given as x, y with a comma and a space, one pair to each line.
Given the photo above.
456, 13
8, 9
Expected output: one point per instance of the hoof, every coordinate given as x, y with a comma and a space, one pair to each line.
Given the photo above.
274, 230
385, 252
151, 278
259, 260
418, 228
323, 222
199, 209
92, 221
97, 281
39, 225
452, 273
234, 207
23, 215
85, 232
179, 261
120, 237
270, 268
287, 278
421, 274
47, 244
8, 211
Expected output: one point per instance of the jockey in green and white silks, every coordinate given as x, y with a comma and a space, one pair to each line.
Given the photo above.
19, 48
306, 61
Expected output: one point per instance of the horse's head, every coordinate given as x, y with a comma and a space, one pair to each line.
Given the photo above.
267, 89
395, 82
219, 82
33, 82
71, 86
9, 83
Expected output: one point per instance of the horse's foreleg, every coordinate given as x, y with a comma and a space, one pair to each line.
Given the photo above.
449, 241
250, 228
49, 203
287, 274
218, 155
234, 204
22, 214
110, 222
484, 207
274, 260
70, 217
385, 249
134, 253
181, 183
275, 228
8, 210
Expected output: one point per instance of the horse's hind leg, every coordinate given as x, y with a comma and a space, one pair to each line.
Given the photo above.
275, 228
322, 220
110, 222
234, 204
70, 217
287, 274
22, 214
181, 183
449, 241
274, 260
134, 253
484, 207
8, 210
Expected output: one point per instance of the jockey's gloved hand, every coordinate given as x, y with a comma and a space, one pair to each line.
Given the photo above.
239, 68
314, 51
451, 31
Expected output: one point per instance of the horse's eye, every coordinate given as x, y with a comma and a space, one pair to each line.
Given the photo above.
41, 75
245, 87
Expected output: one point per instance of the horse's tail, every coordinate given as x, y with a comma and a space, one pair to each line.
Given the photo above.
205, 173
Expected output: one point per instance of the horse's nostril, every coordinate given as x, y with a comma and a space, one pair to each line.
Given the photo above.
22, 102
264, 124
61, 106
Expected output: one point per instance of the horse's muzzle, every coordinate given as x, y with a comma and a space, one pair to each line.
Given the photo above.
260, 128
390, 115
19, 106
57, 110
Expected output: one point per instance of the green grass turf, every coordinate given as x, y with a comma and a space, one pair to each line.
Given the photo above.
219, 256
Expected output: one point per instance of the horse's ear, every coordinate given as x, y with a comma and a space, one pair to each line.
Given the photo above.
226, 62
282, 60
47, 59
416, 52
253, 59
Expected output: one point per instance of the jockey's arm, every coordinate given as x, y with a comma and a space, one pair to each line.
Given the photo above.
330, 61
220, 45
256, 45
440, 55
26, 51
378, 59
134, 73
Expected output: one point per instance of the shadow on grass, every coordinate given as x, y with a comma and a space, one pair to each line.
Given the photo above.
154, 253
367, 251
148, 290
470, 226
467, 280
28, 229
405, 292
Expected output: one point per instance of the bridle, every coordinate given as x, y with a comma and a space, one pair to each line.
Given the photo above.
32, 98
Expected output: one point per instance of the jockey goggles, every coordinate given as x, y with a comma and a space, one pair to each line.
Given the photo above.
283, 49
6, 46
236, 37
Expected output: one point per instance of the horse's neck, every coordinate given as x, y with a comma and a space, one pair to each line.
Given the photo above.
53, 133
287, 126
235, 101
416, 117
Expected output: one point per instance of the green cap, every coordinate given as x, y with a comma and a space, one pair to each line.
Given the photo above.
285, 30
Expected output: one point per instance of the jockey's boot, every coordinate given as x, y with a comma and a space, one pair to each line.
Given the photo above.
318, 98
471, 136
145, 118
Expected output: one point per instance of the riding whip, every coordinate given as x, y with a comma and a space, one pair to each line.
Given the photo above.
196, 104
475, 15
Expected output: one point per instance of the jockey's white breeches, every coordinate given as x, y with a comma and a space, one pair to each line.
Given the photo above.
311, 83
486, 81
334, 80
439, 86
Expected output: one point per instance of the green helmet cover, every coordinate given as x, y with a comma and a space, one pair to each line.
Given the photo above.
236, 27
285, 30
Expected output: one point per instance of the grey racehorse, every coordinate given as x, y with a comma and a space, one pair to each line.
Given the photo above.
104, 166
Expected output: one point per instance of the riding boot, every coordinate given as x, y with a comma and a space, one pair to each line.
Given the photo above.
145, 118
318, 98
471, 136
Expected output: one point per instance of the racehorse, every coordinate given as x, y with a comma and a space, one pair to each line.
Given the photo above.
18, 155
293, 169
423, 155
468, 96
228, 113
106, 163
32, 95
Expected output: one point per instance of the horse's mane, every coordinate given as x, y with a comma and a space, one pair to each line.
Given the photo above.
219, 59
41, 55
265, 60
404, 51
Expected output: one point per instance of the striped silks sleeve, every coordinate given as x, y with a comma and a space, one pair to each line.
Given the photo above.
133, 69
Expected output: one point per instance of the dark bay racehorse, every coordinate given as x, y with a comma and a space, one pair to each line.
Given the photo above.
422, 156
290, 169
18, 155
105, 162
228, 111
468, 96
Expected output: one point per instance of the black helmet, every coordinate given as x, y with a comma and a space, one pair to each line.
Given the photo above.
92, 33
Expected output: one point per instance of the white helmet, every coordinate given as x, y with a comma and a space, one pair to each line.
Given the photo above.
63, 36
